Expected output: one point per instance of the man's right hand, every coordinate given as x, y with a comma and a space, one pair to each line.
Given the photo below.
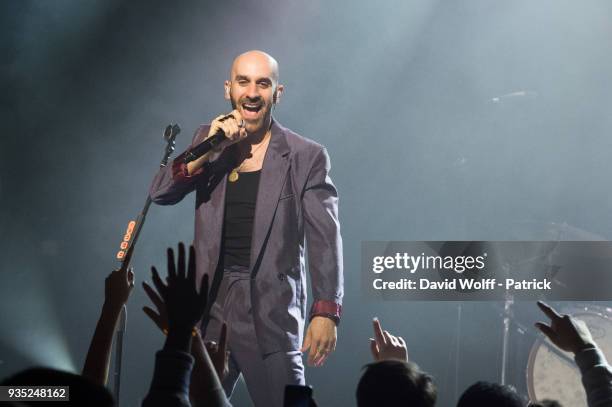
232, 125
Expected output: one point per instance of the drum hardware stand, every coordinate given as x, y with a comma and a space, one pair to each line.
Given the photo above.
509, 319
523, 330
507, 316
125, 256
457, 351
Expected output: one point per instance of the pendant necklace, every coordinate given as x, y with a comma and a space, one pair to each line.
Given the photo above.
234, 174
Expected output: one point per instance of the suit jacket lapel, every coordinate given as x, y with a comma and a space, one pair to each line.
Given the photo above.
273, 174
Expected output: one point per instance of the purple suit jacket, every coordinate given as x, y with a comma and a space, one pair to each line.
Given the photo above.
296, 202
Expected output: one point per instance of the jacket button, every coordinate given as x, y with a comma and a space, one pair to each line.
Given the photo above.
281, 276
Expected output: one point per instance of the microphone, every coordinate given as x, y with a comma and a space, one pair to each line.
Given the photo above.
210, 143
205, 146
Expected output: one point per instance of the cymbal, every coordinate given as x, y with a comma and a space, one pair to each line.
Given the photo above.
551, 231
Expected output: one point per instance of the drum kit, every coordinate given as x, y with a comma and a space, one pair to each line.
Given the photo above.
553, 374
550, 372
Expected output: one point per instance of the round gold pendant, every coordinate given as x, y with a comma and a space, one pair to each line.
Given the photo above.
233, 176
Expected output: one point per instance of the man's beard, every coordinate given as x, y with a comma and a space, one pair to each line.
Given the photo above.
252, 125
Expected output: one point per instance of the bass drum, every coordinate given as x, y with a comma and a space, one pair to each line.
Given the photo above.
553, 374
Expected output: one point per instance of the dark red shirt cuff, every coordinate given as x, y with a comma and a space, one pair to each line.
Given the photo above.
328, 309
179, 169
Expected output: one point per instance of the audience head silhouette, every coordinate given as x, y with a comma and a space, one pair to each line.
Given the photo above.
482, 394
395, 383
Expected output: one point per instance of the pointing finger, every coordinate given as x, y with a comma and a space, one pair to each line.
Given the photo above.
374, 349
549, 311
378, 333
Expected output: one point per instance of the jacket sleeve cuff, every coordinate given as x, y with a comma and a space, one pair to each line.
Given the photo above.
589, 358
171, 379
179, 169
328, 309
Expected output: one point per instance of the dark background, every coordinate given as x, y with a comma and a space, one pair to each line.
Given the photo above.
471, 120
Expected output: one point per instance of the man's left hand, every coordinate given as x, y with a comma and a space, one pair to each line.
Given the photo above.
320, 340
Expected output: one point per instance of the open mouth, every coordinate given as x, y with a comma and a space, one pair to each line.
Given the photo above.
251, 109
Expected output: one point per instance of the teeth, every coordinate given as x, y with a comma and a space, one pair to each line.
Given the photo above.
251, 107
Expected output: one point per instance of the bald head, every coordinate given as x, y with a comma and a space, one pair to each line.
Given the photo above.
255, 60
253, 89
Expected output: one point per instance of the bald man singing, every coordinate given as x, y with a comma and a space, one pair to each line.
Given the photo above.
262, 197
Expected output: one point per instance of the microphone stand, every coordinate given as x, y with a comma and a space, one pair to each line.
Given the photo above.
125, 257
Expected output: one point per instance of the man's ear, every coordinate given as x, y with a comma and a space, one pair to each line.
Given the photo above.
227, 86
277, 94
